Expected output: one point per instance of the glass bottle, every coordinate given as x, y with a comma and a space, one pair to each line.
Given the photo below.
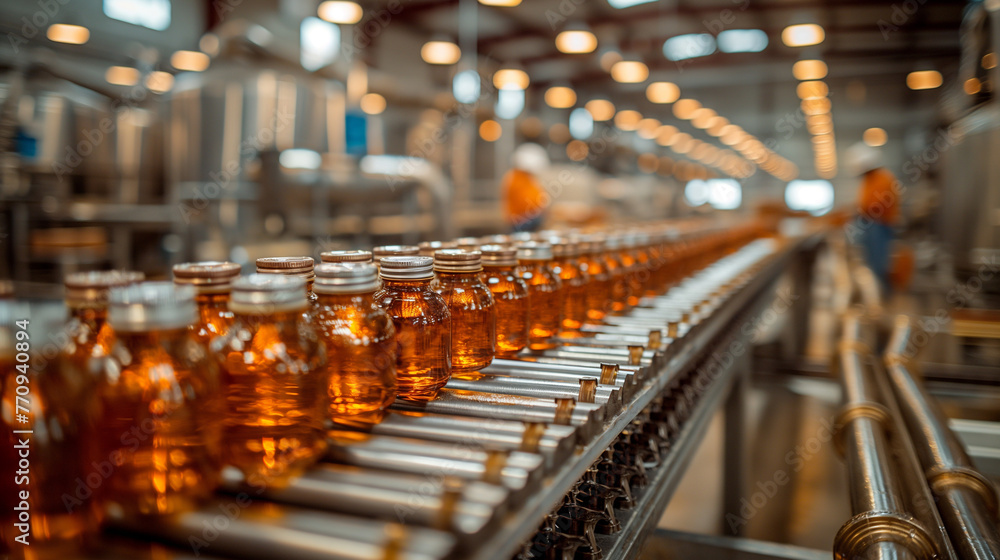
618, 273
160, 404
545, 294
346, 256
467, 243
211, 281
423, 326
574, 285
510, 298
599, 286
427, 248
470, 302
272, 367
62, 416
301, 267
360, 340
634, 271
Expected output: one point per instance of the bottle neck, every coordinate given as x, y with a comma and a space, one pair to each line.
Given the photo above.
421, 284
360, 299
458, 276
212, 300
283, 317
90, 315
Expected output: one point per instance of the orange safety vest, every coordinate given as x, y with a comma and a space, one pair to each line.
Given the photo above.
879, 196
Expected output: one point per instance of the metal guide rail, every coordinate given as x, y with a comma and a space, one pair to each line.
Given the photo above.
571, 451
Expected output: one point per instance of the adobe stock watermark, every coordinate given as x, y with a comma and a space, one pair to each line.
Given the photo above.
765, 490
702, 43
36, 23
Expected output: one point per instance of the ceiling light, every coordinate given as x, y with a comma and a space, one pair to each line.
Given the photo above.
319, 43
664, 134
816, 106
924, 79
560, 97
663, 92
809, 70
600, 109
511, 78
466, 87
972, 86
510, 103
501, 3
372, 103
702, 117
440, 52
742, 40
989, 61
620, 4
559, 133
802, 35
716, 125
192, 61
685, 108
490, 130
812, 89
608, 60
337, 11
629, 72
69, 34
159, 82
577, 150
122, 76
875, 137
692, 45
648, 128
581, 124
628, 119
576, 41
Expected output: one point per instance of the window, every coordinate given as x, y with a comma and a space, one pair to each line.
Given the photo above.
154, 14
815, 197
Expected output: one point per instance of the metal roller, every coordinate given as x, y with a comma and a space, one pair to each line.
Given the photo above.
465, 508
565, 412
608, 396
606, 374
554, 443
520, 473
245, 526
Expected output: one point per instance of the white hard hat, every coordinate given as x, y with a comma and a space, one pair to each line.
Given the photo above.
530, 157
862, 158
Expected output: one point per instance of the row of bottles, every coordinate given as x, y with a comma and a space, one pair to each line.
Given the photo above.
176, 381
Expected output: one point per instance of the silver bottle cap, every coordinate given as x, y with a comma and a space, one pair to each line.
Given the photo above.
301, 267
407, 268
207, 276
534, 251
267, 293
457, 260
345, 278
499, 255
346, 256
91, 289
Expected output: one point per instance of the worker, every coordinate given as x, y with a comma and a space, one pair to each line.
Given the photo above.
878, 209
525, 198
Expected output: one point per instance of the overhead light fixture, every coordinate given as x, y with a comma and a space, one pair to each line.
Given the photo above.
972, 86
663, 92
559, 133
702, 118
576, 41
577, 150
742, 40
511, 78
372, 103
69, 34
685, 108
501, 3
440, 52
628, 119
809, 70
629, 72
924, 79
664, 134
648, 127
812, 89
191, 61
600, 109
816, 106
319, 43
466, 87
339, 11
875, 137
622, 4
802, 35
581, 124
560, 97
609, 58
692, 45
122, 76
159, 82
490, 130
510, 103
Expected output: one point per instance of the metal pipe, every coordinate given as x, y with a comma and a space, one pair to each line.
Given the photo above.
881, 526
967, 500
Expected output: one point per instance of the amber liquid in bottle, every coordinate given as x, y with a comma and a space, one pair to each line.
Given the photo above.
598, 286
473, 320
361, 347
214, 316
272, 371
159, 422
574, 287
423, 332
619, 283
545, 303
510, 297
633, 276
